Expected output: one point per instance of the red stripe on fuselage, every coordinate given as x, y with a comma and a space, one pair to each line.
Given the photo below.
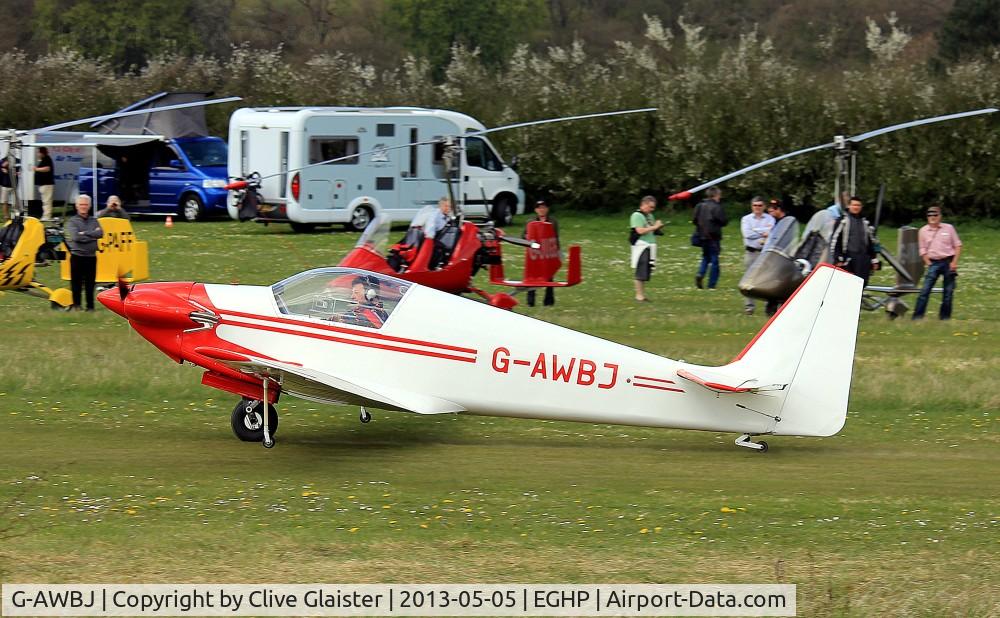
348, 331
659, 388
367, 344
654, 379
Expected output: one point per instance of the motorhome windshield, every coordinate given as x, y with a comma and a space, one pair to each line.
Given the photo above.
206, 153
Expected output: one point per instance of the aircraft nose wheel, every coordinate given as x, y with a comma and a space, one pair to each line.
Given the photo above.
248, 422
366, 416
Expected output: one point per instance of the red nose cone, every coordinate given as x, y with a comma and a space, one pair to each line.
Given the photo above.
112, 300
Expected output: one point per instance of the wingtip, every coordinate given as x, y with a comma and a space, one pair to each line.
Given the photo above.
683, 195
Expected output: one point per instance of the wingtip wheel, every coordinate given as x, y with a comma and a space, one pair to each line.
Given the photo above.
366, 416
746, 442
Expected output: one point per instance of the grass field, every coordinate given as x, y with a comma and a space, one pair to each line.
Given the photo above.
118, 466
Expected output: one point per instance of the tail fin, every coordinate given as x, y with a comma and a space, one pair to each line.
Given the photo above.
809, 347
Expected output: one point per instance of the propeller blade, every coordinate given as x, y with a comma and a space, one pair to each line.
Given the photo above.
123, 289
917, 123
683, 195
137, 112
552, 120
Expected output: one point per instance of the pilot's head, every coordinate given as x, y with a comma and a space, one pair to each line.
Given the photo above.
445, 205
364, 291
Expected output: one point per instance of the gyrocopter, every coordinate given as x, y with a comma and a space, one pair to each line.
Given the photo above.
450, 260
776, 274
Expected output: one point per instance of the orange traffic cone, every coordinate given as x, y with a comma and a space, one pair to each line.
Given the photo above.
169, 222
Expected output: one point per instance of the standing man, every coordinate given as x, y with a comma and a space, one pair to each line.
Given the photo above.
940, 248
709, 219
852, 245
45, 180
643, 258
6, 190
82, 233
781, 238
755, 228
542, 214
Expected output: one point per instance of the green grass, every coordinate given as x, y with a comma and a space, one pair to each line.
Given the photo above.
118, 466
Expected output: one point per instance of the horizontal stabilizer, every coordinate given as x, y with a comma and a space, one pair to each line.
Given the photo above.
715, 386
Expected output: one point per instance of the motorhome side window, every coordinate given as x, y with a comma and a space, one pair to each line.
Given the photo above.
479, 154
327, 148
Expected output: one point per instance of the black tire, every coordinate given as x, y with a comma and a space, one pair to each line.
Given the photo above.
763, 447
502, 211
252, 429
191, 208
361, 216
303, 228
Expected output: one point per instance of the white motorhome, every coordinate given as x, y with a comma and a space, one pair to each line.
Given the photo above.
393, 174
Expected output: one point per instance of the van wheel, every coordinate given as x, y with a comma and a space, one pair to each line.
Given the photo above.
192, 208
360, 219
503, 210
303, 228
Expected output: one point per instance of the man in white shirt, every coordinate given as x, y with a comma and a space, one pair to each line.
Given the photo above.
755, 228
436, 222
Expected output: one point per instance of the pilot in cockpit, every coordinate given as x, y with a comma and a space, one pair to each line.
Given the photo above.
368, 309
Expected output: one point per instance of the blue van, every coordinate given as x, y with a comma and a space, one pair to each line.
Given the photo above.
181, 177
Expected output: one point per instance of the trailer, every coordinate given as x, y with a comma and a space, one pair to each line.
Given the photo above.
399, 167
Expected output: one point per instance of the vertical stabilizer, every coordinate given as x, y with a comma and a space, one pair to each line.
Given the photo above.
809, 347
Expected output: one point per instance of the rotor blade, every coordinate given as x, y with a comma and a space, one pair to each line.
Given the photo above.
917, 123
683, 195
878, 206
443, 138
137, 112
551, 120
521, 242
352, 156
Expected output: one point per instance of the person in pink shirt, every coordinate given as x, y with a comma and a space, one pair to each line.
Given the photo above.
940, 248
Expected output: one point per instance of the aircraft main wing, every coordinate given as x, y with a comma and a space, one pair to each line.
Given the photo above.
319, 386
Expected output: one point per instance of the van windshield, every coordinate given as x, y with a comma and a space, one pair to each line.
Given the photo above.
206, 153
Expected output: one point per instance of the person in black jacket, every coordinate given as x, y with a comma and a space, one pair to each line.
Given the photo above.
45, 180
709, 219
852, 245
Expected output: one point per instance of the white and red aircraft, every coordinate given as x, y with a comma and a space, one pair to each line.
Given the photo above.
341, 335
